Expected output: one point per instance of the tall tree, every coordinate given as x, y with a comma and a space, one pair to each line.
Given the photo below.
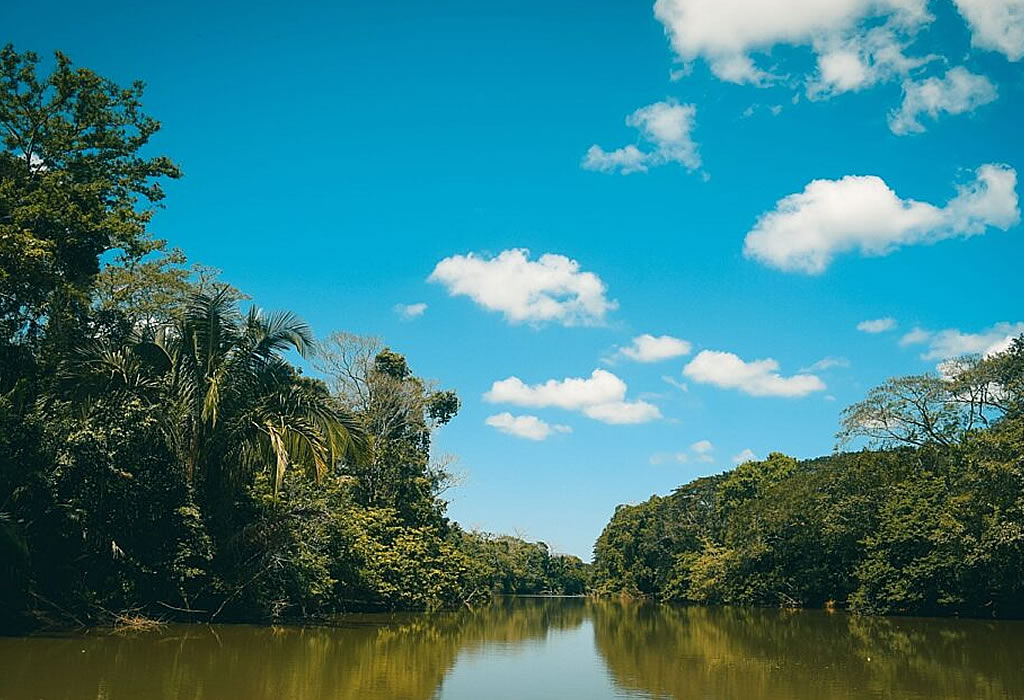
968, 393
73, 185
234, 405
400, 412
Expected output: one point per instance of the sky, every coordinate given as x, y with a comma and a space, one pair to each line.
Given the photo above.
642, 242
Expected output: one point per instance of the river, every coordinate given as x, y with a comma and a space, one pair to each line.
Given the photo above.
527, 649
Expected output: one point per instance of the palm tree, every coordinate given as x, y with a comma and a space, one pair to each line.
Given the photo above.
231, 403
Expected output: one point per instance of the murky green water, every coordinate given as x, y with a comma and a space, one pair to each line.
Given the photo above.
528, 649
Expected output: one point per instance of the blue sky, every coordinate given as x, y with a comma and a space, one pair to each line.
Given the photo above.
751, 179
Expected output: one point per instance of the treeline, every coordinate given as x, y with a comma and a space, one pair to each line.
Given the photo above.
160, 455
930, 522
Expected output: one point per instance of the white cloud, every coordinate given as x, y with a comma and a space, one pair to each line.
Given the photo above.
746, 455
628, 159
551, 288
666, 127
35, 163
877, 325
623, 412
915, 336
726, 32
528, 427
757, 378
649, 348
952, 342
702, 446
862, 59
410, 311
957, 92
805, 231
827, 363
571, 394
996, 24
602, 396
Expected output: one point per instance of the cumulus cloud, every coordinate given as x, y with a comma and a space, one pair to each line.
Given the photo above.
623, 412
666, 127
726, 33
549, 289
649, 348
628, 159
952, 342
806, 230
877, 325
746, 455
410, 311
757, 378
601, 396
862, 59
571, 394
527, 427
996, 24
957, 92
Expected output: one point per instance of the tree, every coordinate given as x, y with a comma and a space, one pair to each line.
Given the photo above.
399, 413
969, 393
233, 404
73, 186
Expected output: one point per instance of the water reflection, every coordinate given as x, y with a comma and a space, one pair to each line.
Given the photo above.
534, 648
371, 656
676, 652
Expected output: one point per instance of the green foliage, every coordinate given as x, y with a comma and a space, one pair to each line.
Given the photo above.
635, 551
158, 451
510, 566
72, 187
399, 412
120, 491
935, 526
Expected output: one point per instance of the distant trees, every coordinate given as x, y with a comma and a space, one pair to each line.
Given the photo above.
933, 524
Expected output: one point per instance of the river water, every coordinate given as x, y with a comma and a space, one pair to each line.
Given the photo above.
526, 649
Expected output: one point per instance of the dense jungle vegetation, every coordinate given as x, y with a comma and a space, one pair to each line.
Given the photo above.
161, 454
929, 522
164, 454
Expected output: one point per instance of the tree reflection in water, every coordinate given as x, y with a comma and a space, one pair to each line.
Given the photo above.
363, 657
750, 654
649, 652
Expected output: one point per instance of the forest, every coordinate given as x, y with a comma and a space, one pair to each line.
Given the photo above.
169, 450
926, 519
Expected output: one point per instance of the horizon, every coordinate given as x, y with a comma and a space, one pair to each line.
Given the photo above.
730, 237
